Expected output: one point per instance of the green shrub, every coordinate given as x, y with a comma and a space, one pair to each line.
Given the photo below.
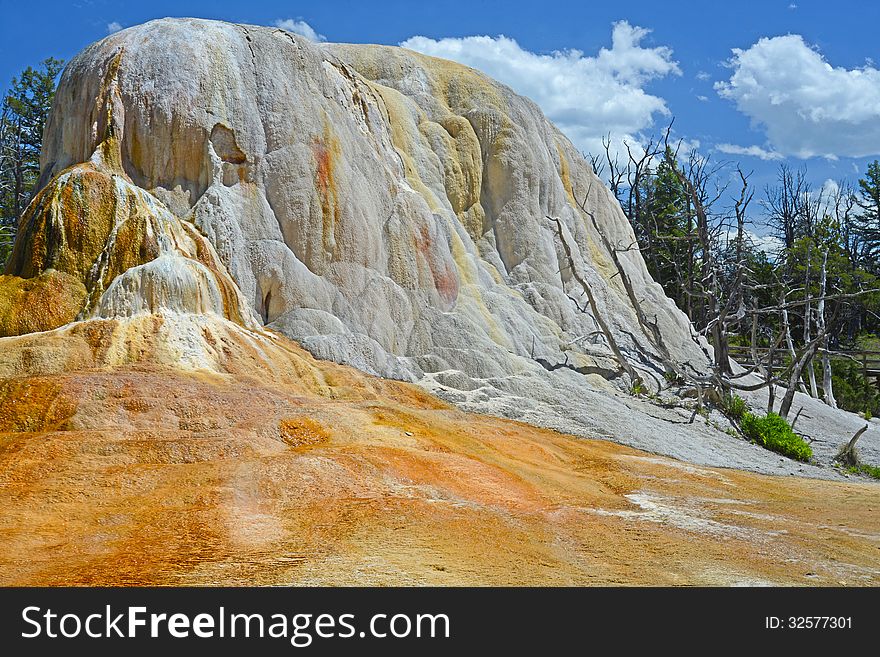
735, 407
672, 378
774, 433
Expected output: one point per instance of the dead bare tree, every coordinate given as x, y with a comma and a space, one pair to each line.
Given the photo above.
787, 206
616, 174
725, 308
827, 379
596, 163
710, 284
808, 320
848, 455
624, 364
716, 279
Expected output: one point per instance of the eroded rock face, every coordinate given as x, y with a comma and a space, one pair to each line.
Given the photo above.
95, 245
384, 208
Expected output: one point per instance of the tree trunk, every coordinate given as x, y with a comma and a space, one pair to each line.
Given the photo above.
651, 330
796, 373
786, 328
827, 386
719, 343
690, 264
594, 308
848, 454
808, 320
766, 372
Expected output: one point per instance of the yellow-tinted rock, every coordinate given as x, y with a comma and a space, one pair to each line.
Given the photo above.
90, 226
122, 468
34, 404
44, 302
67, 226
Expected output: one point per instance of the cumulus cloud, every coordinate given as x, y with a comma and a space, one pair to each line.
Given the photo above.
115, 26
299, 27
751, 151
587, 97
806, 106
686, 146
702, 76
769, 244
830, 188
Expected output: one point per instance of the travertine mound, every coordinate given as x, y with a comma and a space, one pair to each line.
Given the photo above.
386, 209
202, 180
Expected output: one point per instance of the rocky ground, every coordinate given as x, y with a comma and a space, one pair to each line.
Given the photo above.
387, 211
314, 473
664, 425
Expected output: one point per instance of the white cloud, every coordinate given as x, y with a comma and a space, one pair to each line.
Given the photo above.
115, 26
299, 27
792, 6
827, 194
830, 188
703, 99
769, 244
587, 97
702, 76
806, 107
685, 146
751, 151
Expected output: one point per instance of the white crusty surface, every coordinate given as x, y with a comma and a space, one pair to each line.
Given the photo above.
385, 208
389, 210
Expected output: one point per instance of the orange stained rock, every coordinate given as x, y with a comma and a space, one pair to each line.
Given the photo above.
40, 303
313, 473
325, 150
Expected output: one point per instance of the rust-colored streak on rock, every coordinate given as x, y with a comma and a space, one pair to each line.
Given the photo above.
444, 276
446, 282
98, 336
325, 150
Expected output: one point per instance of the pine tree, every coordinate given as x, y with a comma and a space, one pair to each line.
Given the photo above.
669, 222
868, 200
23, 117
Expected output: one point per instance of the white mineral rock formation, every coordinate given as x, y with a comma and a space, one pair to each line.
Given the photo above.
389, 211
386, 209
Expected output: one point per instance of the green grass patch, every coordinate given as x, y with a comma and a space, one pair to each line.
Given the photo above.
735, 407
774, 433
870, 470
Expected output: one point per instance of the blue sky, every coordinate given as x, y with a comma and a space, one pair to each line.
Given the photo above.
803, 88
